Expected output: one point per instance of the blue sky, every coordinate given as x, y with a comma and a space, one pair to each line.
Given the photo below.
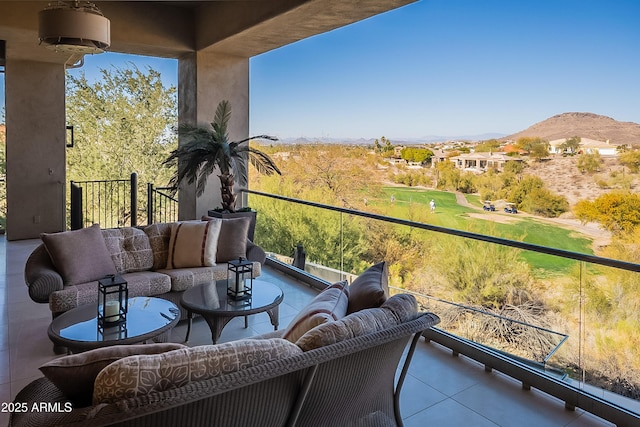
445, 67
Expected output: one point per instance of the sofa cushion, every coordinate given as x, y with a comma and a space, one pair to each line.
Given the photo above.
193, 244
159, 236
74, 375
370, 289
396, 310
139, 375
328, 305
140, 283
185, 278
232, 242
79, 255
129, 248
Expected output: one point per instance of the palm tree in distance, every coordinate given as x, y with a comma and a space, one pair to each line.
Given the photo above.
203, 149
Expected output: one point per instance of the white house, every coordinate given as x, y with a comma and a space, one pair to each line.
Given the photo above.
480, 162
587, 145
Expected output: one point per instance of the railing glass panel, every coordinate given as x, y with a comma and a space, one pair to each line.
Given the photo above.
572, 316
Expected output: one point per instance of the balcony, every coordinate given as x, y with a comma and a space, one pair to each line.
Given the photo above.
441, 390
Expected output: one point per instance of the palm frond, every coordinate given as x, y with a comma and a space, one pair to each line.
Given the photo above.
263, 162
219, 124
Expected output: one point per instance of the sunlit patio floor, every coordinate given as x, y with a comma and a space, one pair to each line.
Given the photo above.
441, 390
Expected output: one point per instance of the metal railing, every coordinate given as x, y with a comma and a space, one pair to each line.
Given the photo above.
162, 204
575, 391
114, 203
110, 203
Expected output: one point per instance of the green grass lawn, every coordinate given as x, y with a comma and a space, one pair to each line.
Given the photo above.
413, 204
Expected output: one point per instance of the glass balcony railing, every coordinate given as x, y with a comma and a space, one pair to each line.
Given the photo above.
566, 322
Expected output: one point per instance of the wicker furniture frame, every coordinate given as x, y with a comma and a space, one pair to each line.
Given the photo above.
351, 383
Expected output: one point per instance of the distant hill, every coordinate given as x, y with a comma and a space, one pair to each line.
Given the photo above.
395, 141
584, 125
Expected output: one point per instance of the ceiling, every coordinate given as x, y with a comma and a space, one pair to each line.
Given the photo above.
175, 28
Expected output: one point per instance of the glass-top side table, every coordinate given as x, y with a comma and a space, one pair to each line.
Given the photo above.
147, 318
210, 300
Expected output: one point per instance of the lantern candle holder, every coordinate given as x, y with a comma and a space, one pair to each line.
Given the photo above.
240, 279
112, 302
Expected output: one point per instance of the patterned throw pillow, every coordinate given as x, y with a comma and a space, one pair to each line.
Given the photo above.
328, 305
80, 256
139, 375
370, 289
396, 310
193, 244
159, 236
74, 375
129, 248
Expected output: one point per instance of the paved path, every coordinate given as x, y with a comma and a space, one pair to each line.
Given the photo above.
462, 201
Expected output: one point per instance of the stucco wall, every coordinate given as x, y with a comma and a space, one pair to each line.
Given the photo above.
35, 117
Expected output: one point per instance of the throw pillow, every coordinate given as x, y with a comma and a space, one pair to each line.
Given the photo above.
396, 310
80, 256
74, 375
232, 242
328, 305
193, 244
139, 375
129, 248
370, 289
159, 236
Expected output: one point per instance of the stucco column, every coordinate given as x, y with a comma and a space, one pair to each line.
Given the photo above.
205, 79
35, 118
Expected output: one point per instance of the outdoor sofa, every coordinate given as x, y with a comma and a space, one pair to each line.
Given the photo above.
162, 260
339, 372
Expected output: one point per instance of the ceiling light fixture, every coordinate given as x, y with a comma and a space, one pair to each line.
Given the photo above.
74, 27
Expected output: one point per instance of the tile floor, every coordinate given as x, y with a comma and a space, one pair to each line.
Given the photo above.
440, 391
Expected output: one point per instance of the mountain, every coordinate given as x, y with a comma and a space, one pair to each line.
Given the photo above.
395, 141
584, 125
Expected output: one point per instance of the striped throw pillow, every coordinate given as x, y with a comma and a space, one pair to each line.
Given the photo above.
193, 244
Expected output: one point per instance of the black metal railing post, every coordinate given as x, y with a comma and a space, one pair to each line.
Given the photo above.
150, 203
134, 199
76, 206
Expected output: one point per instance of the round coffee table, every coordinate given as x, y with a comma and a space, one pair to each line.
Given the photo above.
147, 318
210, 301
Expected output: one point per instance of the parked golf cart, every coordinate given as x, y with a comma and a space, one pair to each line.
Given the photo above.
488, 206
511, 208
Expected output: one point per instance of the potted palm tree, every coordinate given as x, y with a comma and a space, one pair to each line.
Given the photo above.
204, 149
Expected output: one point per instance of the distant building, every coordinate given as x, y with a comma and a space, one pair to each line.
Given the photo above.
438, 156
481, 162
588, 146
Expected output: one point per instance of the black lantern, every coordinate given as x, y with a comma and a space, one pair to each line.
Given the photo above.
112, 302
239, 279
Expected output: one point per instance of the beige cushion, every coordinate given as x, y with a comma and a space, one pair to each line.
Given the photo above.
139, 375
193, 244
139, 283
80, 255
129, 248
370, 289
328, 305
396, 310
74, 375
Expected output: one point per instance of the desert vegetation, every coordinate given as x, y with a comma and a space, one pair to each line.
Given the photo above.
540, 290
